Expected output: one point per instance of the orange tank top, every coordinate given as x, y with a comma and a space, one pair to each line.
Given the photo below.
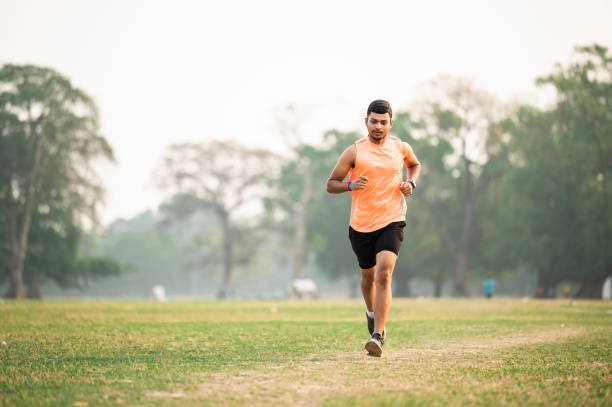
381, 202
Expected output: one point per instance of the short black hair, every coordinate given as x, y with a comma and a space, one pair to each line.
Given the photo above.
381, 107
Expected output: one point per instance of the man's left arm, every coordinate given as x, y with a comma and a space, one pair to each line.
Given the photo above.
414, 169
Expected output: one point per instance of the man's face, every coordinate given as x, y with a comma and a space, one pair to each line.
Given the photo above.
378, 125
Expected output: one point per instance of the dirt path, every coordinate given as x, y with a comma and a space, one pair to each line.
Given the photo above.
310, 382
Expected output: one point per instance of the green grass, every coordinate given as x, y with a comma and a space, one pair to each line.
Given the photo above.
438, 352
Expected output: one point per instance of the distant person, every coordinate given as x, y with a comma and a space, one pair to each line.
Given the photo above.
488, 284
378, 210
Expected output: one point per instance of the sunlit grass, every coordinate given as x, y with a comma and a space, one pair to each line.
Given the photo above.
438, 352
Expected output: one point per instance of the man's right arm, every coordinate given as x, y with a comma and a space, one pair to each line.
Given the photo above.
335, 182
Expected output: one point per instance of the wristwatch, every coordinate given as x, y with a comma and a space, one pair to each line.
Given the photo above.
411, 183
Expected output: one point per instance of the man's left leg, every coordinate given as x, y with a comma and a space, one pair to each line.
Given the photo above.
385, 262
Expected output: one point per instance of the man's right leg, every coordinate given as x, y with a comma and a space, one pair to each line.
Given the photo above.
368, 289
364, 246
385, 262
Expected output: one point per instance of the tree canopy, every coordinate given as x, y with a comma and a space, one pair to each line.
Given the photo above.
49, 139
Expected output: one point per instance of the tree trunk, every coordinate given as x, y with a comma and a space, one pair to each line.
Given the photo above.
298, 251
16, 284
401, 283
461, 260
592, 286
299, 254
460, 280
34, 288
226, 288
20, 231
16, 259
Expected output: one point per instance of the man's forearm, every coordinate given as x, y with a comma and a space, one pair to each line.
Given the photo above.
336, 187
413, 172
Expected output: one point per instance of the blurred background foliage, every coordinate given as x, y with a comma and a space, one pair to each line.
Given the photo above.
518, 194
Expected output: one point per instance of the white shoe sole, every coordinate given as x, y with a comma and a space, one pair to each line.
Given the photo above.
373, 348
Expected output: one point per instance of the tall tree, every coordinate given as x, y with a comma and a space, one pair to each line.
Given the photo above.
554, 198
53, 254
225, 178
583, 127
294, 188
461, 114
49, 137
428, 249
537, 212
328, 215
564, 164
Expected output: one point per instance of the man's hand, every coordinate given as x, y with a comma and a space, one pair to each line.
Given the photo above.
406, 188
360, 183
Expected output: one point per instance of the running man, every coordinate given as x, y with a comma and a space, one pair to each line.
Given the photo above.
378, 210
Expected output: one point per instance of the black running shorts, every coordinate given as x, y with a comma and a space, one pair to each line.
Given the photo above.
367, 245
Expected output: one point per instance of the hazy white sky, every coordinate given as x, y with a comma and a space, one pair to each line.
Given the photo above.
170, 71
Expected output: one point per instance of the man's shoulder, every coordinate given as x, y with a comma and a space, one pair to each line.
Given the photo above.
395, 139
401, 144
361, 140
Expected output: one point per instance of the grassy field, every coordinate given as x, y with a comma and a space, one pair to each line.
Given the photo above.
438, 352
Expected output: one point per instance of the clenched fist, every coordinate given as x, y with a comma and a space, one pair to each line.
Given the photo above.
360, 183
406, 188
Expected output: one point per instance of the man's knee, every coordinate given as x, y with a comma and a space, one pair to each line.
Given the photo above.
383, 276
385, 262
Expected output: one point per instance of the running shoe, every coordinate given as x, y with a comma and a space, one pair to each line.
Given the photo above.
375, 344
371, 326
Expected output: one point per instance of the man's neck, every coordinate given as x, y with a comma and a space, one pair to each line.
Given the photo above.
377, 141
